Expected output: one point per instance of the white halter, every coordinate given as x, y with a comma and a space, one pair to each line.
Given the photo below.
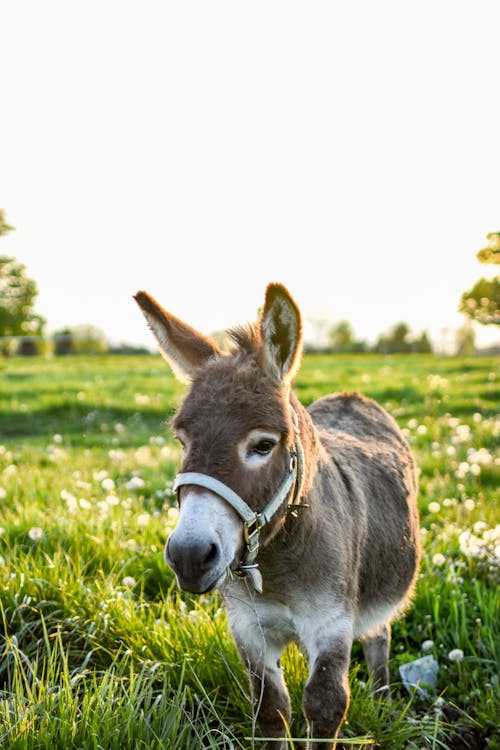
253, 521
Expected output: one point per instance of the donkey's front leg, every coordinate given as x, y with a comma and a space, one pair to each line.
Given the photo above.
271, 704
270, 699
326, 694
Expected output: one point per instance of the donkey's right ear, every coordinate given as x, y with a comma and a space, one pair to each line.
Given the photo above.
184, 348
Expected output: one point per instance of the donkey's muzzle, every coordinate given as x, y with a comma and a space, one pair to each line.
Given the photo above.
197, 563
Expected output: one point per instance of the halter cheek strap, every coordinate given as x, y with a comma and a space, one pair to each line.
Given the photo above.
253, 521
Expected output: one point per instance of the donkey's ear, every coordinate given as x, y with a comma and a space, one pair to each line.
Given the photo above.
281, 330
184, 348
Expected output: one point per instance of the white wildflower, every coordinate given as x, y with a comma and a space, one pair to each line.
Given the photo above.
108, 484
35, 533
479, 527
481, 456
172, 514
143, 455
70, 500
135, 483
116, 455
434, 507
456, 655
143, 519
129, 582
427, 646
157, 440
463, 433
438, 560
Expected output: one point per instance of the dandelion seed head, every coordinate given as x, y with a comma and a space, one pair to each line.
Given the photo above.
129, 582
143, 519
35, 533
456, 655
438, 560
172, 514
135, 483
434, 507
116, 455
427, 645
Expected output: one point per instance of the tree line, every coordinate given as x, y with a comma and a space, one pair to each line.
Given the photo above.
22, 330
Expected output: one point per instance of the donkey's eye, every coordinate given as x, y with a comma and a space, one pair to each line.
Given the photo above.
180, 436
256, 448
263, 447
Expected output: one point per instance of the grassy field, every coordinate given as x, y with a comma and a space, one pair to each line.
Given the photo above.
99, 649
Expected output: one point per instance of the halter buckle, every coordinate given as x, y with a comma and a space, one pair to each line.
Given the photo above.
251, 529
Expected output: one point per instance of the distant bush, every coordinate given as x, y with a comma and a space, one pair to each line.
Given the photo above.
82, 339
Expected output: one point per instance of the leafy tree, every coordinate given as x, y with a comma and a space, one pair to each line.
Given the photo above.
17, 298
490, 253
341, 336
481, 303
465, 339
397, 340
4, 227
423, 344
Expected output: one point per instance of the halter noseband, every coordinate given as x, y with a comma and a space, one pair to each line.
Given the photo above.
254, 521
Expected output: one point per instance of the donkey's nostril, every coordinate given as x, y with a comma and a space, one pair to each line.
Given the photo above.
211, 556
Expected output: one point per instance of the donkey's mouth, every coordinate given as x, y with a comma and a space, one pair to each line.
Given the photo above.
203, 585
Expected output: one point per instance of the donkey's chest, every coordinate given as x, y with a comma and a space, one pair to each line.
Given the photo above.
278, 622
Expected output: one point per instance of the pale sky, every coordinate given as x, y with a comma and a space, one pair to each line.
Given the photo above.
199, 149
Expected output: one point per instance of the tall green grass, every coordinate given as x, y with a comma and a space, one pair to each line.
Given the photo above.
97, 647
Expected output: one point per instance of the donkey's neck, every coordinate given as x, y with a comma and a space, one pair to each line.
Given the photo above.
310, 443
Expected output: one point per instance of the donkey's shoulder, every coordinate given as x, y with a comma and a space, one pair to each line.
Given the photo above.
354, 414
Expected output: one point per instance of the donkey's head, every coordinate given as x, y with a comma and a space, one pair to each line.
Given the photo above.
237, 430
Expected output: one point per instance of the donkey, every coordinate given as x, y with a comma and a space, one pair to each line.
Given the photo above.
305, 519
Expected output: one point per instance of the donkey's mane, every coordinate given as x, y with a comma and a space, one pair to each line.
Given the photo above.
246, 338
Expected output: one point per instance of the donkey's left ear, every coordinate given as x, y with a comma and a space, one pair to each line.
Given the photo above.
281, 330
